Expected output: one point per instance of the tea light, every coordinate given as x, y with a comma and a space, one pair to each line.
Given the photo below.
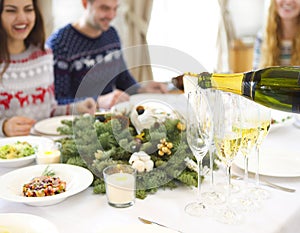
120, 185
48, 156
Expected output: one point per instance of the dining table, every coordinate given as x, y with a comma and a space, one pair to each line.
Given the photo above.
89, 212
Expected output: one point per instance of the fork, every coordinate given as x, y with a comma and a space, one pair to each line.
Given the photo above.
146, 221
268, 183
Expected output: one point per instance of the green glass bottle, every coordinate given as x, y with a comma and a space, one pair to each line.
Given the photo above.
273, 87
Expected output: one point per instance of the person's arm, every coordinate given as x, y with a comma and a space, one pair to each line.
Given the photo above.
2, 134
127, 83
87, 105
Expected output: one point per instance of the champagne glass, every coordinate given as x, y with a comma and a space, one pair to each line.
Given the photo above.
264, 127
227, 137
199, 136
250, 132
212, 196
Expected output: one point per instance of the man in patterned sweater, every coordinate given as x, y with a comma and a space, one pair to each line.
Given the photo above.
79, 46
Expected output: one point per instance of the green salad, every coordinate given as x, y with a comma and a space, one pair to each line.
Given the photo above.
16, 150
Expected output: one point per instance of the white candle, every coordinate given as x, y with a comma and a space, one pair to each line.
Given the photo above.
120, 189
48, 156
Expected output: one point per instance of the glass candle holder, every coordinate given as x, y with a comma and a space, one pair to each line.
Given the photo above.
120, 183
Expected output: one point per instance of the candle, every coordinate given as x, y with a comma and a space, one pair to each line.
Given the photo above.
120, 185
48, 156
49, 153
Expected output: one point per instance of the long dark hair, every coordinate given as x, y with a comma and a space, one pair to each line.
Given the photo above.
36, 36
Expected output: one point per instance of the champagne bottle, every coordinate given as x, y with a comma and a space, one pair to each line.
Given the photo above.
274, 87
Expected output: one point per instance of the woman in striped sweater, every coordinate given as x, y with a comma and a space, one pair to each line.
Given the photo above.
26, 71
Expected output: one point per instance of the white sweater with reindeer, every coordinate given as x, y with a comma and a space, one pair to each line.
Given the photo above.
27, 87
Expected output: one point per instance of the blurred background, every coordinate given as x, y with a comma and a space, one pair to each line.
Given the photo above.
217, 33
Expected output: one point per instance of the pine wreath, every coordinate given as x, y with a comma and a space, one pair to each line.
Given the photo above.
97, 142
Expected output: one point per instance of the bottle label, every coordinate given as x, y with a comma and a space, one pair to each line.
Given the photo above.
248, 83
204, 80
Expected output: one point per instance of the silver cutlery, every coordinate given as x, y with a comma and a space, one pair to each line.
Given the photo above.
269, 184
146, 221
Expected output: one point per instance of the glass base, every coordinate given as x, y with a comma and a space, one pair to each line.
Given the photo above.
121, 205
245, 204
259, 193
196, 209
228, 216
213, 197
223, 188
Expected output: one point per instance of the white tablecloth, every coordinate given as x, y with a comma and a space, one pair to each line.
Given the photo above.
88, 212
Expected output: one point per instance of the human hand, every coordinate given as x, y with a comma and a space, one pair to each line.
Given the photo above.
153, 87
88, 105
17, 126
110, 99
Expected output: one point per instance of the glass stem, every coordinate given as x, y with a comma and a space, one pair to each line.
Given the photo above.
257, 167
246, 178
211, 165
228, 193
199, 162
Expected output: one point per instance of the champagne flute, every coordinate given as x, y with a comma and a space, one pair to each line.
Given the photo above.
227, 137
264, 127
199, 136
212, 196
250, 133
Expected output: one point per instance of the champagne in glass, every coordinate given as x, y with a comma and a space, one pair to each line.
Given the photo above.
212, 196
227, 137
264, 127
250, 132
199, 136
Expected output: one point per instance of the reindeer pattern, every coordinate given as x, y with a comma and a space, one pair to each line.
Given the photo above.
24, 99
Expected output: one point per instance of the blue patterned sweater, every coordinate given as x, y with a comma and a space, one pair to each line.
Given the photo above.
88, 67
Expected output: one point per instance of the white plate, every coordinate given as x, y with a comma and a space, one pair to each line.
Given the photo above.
281, 118
273, 162
19, 162
176, 102
11, 184
137, 228
49, 126
297, 120
19, 222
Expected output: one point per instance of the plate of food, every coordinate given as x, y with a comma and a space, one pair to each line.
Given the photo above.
21, 222
49, 126
42, 185
20, 151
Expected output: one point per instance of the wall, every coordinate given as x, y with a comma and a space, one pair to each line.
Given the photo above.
247, 16
65, 11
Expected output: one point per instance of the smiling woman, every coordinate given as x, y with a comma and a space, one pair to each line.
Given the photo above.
26, 70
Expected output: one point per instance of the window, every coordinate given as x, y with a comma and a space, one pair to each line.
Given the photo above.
65, 11
189, 26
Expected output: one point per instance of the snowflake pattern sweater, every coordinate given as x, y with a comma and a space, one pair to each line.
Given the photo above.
75, 54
